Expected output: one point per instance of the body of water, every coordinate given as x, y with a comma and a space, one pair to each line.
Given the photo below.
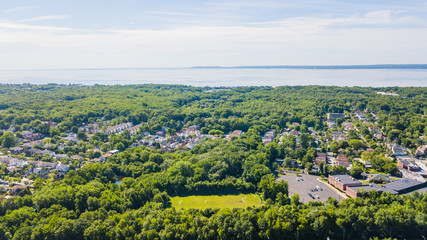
223, 77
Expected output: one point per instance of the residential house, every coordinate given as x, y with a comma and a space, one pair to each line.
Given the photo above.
360, 115
26, 133
269, 136
421, 151
50, 123
15, 190
95, 160
18, 163
341, 160
32, 144
398, 150
62, 167
36, 151
161, 134
113, 152
373, 128
39, 171
78, 158
105, 156
321, 157
339, 136
118, 128
294, 132
13, 169
330, 124
16, 150
235, 133
61, 156
35, 136
333, 116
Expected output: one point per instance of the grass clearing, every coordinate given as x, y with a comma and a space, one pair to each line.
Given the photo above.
216, 201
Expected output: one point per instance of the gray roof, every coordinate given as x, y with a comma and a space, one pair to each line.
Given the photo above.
401, 185
372, 186
367, 187
380, 177
345, 179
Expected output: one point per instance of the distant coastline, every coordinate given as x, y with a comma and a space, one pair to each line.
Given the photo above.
230, 77
311, 67
375, 66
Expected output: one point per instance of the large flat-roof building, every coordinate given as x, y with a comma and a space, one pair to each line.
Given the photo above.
355, 191
408, 164
342, 181
405, 185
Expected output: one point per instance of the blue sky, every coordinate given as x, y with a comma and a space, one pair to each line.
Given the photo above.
129, 33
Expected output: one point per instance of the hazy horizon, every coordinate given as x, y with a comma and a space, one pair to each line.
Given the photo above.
216, 77
319, 67
81, 34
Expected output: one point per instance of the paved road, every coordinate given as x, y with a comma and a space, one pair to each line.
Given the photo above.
310, 182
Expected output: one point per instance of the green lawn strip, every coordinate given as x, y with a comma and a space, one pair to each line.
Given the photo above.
215, 201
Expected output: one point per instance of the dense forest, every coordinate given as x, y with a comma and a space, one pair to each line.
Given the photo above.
128, 195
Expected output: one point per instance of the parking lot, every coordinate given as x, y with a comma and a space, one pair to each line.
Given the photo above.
310, 184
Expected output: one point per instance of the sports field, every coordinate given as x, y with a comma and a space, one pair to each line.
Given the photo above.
215, 201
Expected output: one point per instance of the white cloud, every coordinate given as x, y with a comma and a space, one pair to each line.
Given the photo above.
45, 18
289, 41
8, 25
169, 13
18, 9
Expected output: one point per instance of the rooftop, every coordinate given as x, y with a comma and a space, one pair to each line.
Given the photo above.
345, 179
372, 186
400, 185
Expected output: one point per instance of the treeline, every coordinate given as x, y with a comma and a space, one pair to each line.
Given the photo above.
218, 112
125, 199
128, 196
376, 217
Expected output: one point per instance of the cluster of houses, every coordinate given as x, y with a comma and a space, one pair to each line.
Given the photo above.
330, 159
13, 189
269, 136
38, 167
189, 137
118, 128
354, 188
377, 133
412, 170
388, 94
185, 139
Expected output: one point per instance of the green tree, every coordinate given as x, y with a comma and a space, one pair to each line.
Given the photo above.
74, 129
8, 139
120, 146
356, 171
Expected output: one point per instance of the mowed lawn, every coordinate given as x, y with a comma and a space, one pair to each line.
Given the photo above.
215, 201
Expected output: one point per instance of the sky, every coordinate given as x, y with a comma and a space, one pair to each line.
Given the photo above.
69, 34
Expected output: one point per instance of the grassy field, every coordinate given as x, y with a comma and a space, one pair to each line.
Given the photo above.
215, 201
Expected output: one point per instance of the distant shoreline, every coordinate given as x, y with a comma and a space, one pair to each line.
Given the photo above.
237, 76
312, 67
376, 66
